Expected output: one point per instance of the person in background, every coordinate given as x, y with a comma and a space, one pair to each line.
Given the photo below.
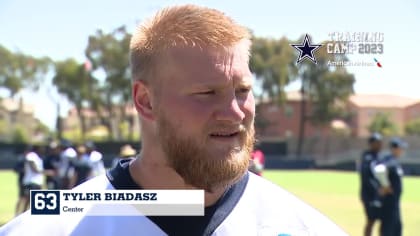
51, 165
389, 173
19, 168
67, 154
257, 162
34, 176
126, 151
80, 167
369, 193
96, 159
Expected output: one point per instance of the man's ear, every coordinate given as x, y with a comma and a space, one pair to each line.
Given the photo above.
142, 100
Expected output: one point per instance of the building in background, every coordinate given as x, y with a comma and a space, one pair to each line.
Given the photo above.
282, 122
17, 121
365, 107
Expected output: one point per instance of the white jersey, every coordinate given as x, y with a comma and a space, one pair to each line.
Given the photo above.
260, 208
31, 176
95, 159
266, 209
65, 158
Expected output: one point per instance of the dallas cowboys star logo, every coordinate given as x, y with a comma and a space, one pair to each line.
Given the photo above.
306, 49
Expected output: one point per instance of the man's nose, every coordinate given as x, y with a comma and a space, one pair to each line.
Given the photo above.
231, 111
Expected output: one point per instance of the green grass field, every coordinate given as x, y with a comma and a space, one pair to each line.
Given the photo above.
333, 193
336, 194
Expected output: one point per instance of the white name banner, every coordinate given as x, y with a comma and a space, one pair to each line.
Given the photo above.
118, 202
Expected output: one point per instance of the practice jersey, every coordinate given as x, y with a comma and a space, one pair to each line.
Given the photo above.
369, 184
82, 170
253, 206
98, 167
395, 174
31, 176
65, 158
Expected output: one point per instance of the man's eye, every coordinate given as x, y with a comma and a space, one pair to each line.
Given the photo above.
208, 92
243, 90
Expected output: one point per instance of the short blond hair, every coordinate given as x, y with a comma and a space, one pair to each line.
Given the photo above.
187, 25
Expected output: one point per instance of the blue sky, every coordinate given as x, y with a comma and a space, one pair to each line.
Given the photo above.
59, 29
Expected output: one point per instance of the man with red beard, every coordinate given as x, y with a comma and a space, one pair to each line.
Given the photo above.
192, 89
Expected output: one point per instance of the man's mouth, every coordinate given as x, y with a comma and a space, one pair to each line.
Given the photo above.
224, 134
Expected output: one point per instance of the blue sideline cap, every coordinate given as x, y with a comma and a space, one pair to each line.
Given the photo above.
375, 137
397, 143
90, 145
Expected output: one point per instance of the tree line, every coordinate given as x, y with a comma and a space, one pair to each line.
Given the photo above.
102, 83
